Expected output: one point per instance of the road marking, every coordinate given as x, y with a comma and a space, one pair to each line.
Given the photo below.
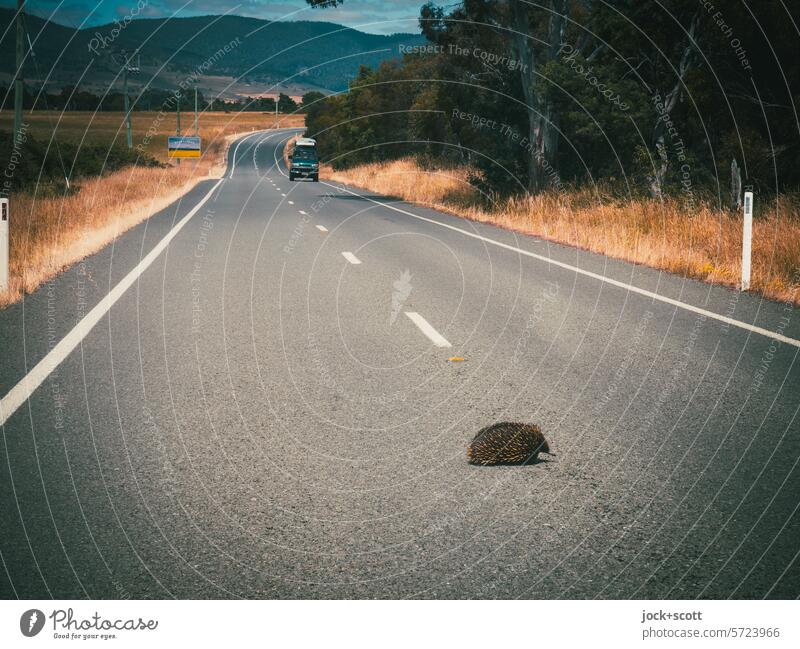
236, 150
602, 278
291, 202
425, 327
349, 256
282, 194
302, 212
22, 391
322, 228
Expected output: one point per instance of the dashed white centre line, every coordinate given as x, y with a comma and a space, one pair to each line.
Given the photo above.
291, 202
349, 256
425, 327
302, 212
282, 194
322, 228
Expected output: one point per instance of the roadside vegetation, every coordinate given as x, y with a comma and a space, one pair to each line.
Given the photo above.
630, 129
92, 188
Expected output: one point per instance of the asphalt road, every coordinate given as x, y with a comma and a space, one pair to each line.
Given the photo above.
257, 416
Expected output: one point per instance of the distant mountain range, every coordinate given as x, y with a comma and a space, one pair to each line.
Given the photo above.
231, 55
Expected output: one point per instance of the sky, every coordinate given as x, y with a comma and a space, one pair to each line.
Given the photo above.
376, 16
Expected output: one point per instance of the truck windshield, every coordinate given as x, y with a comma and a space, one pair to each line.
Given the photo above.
305, 153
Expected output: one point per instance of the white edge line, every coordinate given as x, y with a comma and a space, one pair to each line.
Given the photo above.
22, 391
426, 328
588, 273
349, 256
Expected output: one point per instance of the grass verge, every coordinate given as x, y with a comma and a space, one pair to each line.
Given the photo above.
703, 244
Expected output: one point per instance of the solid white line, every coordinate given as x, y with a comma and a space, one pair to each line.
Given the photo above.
322, 228
349, 256
602, 278
22, 391
425, 327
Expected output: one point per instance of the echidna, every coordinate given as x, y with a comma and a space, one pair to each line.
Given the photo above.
507, 442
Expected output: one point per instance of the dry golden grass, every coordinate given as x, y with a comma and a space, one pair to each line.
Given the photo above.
109, 128
51, 233
704, 243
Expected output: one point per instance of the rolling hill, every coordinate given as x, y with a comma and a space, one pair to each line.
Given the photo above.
260, 54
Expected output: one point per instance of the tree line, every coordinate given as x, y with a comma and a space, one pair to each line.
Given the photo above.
668, 96
70, 98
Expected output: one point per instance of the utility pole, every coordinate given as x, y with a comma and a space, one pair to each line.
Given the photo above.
18, 83
277, 97
120, 57
127, 106
178, 114
196, 123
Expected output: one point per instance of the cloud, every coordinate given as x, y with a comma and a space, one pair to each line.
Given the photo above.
376, 16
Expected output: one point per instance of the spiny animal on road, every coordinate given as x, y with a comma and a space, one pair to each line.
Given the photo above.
507, 442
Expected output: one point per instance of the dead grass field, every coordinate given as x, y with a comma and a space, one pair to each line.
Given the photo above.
704, 244
48, 233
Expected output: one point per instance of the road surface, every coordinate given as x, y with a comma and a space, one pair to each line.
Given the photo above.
266, 409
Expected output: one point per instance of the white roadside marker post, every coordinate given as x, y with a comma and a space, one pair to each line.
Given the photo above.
747, 240
3, 244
